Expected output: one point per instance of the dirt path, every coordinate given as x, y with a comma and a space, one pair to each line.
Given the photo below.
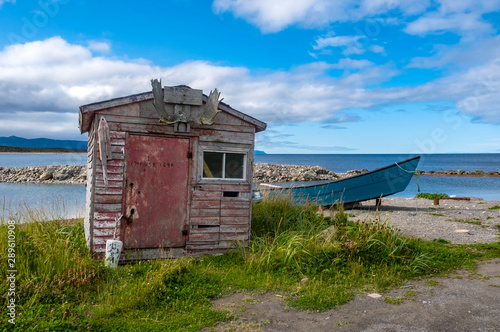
463, 301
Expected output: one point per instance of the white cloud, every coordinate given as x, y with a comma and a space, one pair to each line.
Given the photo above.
435, 22
41, 80
422, 17
465, 54
5, 1
377, 49
102, 47
347, 63
336, 41
350, 44
273, 16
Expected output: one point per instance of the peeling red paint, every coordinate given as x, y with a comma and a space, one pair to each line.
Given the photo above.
156, 186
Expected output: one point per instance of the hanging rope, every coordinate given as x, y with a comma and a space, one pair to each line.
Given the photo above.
416, 173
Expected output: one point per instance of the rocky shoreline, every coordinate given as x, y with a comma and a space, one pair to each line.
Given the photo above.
60, 174
263, 173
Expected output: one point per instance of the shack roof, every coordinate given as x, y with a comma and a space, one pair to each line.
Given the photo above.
86, 112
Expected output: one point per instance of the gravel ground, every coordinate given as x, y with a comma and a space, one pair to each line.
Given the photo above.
457, 221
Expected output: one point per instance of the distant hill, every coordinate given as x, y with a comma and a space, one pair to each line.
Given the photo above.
17, 149
259, 152
42, 143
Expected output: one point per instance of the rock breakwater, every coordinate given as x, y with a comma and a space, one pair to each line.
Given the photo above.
263, 173
62, 174
267, 173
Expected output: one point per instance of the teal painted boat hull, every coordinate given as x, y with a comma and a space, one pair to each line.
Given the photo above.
378, 183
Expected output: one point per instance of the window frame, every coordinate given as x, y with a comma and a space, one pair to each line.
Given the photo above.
224, 153
223, 148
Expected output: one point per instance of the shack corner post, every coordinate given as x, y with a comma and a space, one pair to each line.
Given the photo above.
169, 175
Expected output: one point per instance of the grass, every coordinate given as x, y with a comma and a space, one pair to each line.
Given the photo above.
60, 287
494, 207
475, 222
393, 300
432, 282
431, 196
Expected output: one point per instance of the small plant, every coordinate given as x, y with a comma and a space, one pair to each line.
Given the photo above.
441, 241
494, 207
341, 323
431, 196
437, 214
467, 222
431, 282
392, 300
410, 293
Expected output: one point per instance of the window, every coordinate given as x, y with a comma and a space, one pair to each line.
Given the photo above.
223, 165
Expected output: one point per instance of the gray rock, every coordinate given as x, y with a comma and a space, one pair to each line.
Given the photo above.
45, 176
309, 175
59, 176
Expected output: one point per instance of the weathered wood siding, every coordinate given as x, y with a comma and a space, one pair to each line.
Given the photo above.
108, 201
88, 218
215, 221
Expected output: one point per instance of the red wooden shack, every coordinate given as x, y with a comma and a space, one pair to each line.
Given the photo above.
171, 169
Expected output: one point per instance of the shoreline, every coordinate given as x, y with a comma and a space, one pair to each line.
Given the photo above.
68, 152
263, 173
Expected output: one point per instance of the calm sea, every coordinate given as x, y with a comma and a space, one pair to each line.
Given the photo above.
71, 198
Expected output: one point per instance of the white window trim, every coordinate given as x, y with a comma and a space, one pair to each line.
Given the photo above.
221, 147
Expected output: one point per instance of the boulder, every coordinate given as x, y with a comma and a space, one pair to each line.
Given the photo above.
60, 176
309, 175
45, 176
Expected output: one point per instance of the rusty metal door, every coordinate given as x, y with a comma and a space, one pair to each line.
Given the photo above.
157, 191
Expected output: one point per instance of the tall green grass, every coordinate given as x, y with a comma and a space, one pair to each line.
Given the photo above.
61, 287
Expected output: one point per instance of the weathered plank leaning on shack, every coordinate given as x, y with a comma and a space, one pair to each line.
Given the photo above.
177, 178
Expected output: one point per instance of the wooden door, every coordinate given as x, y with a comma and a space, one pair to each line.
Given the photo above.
157, 190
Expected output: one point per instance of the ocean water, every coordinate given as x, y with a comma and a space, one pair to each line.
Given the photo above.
41, 159
71, 198
341, 163
54, 201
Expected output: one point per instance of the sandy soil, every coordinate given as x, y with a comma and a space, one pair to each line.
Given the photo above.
462, 301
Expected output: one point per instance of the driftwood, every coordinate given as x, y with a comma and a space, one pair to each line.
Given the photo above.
436, 200
104, 147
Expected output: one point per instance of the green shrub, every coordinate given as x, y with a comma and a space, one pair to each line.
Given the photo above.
431, 196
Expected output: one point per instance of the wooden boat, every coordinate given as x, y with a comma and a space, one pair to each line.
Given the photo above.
378, 183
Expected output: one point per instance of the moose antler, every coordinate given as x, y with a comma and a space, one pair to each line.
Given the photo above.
210, 109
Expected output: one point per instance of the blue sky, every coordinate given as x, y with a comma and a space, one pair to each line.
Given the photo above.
379, 76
